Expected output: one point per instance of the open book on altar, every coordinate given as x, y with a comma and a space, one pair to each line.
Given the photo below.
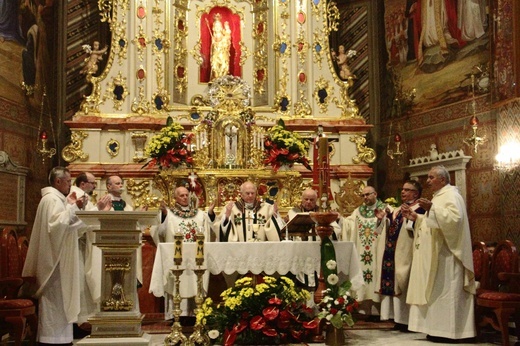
300, 225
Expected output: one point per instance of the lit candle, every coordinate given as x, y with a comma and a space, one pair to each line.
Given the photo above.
199, 256
177, 255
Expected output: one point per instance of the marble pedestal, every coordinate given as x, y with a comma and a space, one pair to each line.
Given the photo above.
118, 235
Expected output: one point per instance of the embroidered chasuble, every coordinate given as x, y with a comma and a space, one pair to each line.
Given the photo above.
240, 226
187, 221
360, 228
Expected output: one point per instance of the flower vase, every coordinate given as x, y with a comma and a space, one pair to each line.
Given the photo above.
334, 336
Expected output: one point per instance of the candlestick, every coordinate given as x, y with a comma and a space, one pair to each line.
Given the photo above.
176, 337
177, 255
199, 335
199, 256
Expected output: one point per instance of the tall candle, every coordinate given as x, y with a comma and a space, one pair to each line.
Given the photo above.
323, 159
199, 256
177, 254
323, 150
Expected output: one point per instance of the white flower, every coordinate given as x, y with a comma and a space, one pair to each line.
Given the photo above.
213, 334
331, 264
329, 317
332, 279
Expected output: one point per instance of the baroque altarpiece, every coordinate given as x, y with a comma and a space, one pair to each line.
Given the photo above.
227, 71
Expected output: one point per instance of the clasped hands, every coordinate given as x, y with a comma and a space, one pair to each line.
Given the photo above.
408, 213
104, 203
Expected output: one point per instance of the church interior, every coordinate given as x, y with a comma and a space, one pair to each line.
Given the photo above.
389, 87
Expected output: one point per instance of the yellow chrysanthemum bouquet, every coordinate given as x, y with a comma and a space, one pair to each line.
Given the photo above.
271, 312
284, 147
170, 148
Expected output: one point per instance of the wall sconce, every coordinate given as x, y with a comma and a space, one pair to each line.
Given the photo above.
397, 153
508, 157
41, 142
475, 139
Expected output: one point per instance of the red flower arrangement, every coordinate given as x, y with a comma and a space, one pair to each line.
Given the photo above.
284, 147
170, 148
270, 313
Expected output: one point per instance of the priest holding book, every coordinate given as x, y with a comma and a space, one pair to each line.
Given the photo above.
307, 205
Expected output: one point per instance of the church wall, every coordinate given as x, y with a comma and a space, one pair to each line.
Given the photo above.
18, 136
426, 121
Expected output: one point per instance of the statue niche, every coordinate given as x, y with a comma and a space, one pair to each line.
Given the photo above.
220, 44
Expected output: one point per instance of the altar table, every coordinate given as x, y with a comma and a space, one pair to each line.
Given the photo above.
255, 257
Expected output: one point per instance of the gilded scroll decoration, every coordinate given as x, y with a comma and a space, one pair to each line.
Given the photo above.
333, 17
302, 47
120, 43
141, 105
195, 52
348, 106
74, 150
139, 190
302, 108
316, 6
117, 90
105, 10
260, 42
141, 41
317, 51
367, 155
322, 93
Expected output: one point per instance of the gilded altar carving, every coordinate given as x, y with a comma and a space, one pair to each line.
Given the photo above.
157, 75
217, 186
117, 268
367, 155
74, 150
348, 198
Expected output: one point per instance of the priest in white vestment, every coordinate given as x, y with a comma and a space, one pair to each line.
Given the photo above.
249, 219
360, 228
394, 257
442, 279
53, 259
84, 185
188, 221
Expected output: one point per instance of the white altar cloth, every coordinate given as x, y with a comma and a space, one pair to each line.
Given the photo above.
255, 257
